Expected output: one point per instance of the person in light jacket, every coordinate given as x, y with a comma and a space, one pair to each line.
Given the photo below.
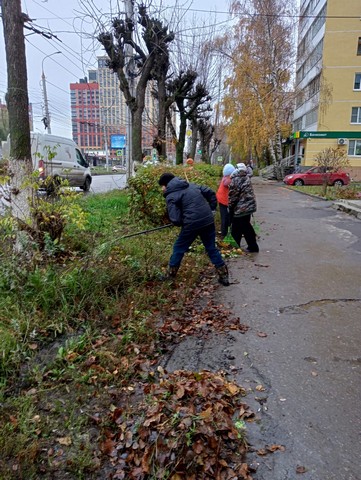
241, 205
192, 207
222, 198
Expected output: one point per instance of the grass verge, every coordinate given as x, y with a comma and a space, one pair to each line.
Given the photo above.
80, 344
350, 192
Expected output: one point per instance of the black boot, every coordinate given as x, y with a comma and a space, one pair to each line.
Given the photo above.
170, 275
223, 275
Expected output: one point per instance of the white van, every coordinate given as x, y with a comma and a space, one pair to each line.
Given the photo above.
66, 160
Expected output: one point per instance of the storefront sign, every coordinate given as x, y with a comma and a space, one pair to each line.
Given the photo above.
327, 135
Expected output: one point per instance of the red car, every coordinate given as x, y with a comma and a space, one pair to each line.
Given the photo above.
317, 176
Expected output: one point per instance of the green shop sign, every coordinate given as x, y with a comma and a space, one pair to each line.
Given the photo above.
327, 135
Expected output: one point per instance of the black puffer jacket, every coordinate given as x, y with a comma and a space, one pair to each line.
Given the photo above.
189, 205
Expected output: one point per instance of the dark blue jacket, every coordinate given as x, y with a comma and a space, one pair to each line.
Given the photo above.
190, 205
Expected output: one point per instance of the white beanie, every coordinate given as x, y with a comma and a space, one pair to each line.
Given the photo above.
242, 167
228, 169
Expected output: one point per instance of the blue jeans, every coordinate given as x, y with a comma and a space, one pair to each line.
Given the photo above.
185, 239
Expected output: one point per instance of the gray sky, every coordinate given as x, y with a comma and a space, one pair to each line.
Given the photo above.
66, 19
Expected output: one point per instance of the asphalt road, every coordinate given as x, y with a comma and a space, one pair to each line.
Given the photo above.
106, 183
301, 297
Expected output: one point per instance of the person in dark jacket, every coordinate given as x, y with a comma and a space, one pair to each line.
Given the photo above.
241, 205
192, 207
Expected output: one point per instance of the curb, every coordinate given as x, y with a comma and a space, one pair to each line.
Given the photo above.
348, 208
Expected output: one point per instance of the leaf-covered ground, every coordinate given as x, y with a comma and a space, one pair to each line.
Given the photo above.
108, 410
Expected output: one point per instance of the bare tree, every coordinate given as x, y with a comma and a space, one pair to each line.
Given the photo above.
191, 55
330, 160
155, 38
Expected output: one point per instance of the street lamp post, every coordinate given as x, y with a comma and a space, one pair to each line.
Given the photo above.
46, 104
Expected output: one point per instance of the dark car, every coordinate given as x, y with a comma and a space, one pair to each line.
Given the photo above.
318, 176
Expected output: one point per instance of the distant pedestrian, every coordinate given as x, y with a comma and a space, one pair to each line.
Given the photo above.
222, 198
242, 204
192, 207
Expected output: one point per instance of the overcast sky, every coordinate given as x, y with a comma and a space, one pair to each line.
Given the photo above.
66, 20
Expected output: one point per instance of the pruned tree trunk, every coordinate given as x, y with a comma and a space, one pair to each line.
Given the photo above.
181, 137
161, 145
193, 149
18, 107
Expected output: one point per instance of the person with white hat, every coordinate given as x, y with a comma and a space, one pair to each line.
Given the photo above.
241, 205
248, 169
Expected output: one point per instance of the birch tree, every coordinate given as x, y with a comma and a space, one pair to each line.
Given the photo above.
261, 53
20, 163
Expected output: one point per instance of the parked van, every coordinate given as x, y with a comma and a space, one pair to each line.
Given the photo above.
57, 157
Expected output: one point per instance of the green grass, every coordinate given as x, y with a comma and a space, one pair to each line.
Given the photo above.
332, 193
73, 320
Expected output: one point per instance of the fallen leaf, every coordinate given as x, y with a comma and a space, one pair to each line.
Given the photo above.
260, 388
262, 334
13, 420
107, 446
64, 441
180, 392
89, 361
32, 391
301, 469
262, 452
233, 389
274, 448
160, 370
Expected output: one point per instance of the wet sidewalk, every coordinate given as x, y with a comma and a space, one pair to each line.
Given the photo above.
352, 207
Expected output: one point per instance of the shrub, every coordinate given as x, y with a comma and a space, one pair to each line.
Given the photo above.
146, 198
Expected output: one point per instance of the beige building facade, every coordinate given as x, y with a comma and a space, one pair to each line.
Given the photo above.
328, 81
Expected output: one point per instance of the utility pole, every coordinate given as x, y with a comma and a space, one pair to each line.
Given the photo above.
129, 14
105, 134
46, 103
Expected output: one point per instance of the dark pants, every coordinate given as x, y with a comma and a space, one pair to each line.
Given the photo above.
241, 226
185, 239
225, 221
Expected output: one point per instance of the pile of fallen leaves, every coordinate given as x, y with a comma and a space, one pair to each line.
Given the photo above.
201, 320
191, 427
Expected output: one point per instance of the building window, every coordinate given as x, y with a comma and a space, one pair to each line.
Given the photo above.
354, 148
357, 84
356, 115
359, 46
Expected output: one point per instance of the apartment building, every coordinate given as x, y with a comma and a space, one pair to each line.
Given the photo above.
99, 112
85, 115
4, 119
328, 80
